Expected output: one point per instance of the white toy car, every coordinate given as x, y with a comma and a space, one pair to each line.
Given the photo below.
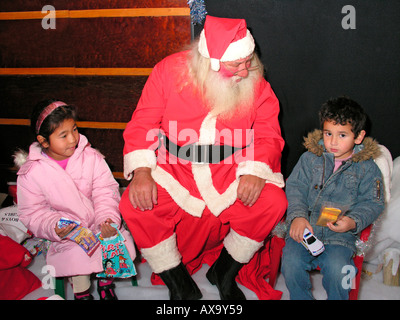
311, 243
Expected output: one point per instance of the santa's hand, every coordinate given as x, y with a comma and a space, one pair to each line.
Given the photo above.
143, 189
249, 189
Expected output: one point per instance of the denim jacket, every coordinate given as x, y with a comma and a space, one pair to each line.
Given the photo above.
357, 185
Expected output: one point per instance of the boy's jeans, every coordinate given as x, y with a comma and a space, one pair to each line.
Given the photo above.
336, 264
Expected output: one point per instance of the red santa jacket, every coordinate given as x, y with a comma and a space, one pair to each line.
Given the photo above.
177, 112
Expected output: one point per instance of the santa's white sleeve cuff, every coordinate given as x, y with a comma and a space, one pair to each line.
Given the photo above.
137, 159
261, 170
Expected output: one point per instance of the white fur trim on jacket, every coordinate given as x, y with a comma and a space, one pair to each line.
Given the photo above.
385, 164
215, 201
208, 130
181, 196
138, 158
241, 248
261, 170
163, 256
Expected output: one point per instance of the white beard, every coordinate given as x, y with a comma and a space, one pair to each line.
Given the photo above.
228, 97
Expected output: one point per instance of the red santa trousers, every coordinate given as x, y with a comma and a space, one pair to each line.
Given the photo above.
200, 240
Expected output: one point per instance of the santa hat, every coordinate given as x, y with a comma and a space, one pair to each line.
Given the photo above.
224, 39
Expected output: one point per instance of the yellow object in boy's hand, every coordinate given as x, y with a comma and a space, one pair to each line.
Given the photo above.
328, 215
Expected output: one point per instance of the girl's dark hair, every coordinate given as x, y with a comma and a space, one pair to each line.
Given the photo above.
344, 111
53, 120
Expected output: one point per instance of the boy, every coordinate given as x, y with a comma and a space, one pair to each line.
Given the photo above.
338, 171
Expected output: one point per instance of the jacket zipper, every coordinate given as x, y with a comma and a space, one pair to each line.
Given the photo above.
378, 189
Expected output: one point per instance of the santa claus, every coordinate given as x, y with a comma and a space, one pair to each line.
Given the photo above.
203, 150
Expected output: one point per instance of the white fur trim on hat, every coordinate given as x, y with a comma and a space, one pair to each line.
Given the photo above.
239, 49
236, 50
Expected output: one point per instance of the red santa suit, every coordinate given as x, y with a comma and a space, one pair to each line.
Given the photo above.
197, 210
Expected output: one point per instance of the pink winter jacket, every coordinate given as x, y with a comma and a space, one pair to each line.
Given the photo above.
85, 191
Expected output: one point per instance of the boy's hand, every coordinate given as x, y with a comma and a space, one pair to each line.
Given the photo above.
343, 224
297, 229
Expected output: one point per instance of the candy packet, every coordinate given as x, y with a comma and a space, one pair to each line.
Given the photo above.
64, 222
330, 212
85, 238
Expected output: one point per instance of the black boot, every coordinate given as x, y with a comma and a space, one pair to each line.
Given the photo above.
180, 284
223, 273
106, 292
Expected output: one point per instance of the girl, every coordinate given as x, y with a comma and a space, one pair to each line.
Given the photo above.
64, 177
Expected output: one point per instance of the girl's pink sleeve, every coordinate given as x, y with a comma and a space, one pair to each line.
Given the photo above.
33, 210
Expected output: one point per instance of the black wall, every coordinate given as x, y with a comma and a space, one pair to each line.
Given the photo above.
310, 58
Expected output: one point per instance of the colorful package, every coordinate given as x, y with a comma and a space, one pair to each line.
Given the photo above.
116, 260
84, 237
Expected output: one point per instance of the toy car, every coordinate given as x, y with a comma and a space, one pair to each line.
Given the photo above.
311, 243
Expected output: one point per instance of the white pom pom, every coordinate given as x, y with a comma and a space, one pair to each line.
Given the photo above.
20, 157
215, 64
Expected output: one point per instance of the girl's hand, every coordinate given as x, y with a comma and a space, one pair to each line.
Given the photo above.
107, 230
63, 232
297, 229
343, 224
249, 189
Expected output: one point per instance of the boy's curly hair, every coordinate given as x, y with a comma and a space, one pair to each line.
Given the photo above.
343, 110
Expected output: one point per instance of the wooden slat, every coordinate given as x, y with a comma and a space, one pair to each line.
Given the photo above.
98, 13
15, 122
81, 124
100, 46
101, 125
118, 175
99, 99
71, 71
36, 5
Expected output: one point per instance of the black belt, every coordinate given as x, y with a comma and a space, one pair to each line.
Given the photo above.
199, 153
